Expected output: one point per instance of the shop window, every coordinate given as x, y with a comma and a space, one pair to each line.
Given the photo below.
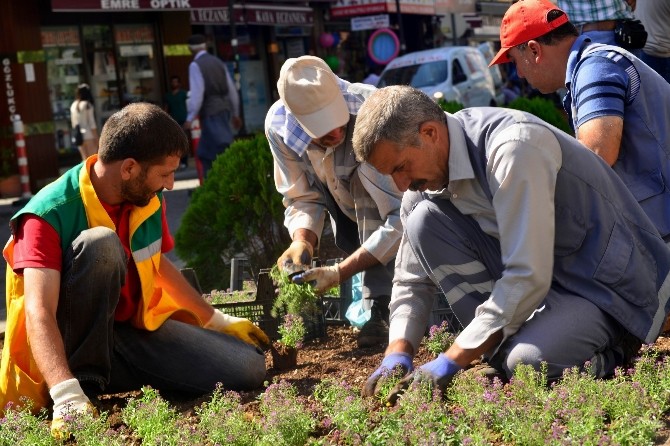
137, 63
64, 62
101, 64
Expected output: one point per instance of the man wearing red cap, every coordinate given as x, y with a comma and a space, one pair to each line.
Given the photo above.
617, 105
309, 130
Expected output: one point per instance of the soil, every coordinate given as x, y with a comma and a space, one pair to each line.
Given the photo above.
335, 355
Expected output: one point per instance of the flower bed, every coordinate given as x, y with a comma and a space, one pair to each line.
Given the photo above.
320, 403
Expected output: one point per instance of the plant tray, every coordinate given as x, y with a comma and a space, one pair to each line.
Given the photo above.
442, 312
259, 311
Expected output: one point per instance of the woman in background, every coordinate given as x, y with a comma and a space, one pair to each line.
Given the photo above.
81, 112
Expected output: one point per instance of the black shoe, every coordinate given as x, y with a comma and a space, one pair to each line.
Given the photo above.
629, 347
376, 330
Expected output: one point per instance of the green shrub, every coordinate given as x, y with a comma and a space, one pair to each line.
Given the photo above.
543, 109
236, 210
449, 106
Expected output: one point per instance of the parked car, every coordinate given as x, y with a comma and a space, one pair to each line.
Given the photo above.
456, 73
488, 51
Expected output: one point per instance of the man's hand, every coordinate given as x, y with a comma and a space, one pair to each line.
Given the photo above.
186, 125
297, 257
236, 122
439, 372
388, 366
69, 399
324, 277
242, 329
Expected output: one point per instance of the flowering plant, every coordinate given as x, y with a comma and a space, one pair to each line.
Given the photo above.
292, 331
439, 338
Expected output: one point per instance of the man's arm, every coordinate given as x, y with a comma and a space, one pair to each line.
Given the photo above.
305, 207
42, 287
600, 92
187, 297
603, 135
197, 90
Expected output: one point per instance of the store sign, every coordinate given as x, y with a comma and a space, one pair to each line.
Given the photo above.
370, 22
9, 86
131, 5
444, 7
349, 8
60, 37
255, 14
133, 34
135, 5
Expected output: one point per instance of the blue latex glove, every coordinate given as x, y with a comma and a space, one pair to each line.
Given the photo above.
439, 372
390, 362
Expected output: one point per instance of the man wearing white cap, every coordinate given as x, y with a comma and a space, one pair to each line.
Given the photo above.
309, 130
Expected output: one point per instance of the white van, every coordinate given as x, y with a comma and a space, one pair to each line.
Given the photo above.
456, 73
487, 49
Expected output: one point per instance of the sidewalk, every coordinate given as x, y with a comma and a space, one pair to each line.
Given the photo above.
177, 201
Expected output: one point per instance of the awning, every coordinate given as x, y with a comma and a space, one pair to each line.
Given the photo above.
255, 14
150, 5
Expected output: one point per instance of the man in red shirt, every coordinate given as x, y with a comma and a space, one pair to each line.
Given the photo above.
94, 304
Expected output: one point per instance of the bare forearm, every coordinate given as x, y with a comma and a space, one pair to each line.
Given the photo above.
463, 357
359, 261
306, 235
46, 342
47, 347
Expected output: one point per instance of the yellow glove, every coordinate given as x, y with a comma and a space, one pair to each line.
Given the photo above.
242, 329
297, 257
69, 399
324, 278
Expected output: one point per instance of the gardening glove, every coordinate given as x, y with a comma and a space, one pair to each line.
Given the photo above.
297, 257
440, 371
242, 329
69, 399
389, 364
323, 278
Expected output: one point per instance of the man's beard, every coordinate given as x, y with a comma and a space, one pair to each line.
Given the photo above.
135, 191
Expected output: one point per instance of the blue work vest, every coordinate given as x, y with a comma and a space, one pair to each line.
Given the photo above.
606, 248
644, 158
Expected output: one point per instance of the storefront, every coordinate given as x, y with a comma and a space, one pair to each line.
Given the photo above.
127, 50
372, 32
118, 61
266, 35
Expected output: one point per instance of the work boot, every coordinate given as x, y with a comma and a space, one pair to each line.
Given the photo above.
376, 330
629, 346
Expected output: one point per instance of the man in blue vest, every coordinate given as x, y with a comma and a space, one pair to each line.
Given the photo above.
540, 250
618, 106
213, 98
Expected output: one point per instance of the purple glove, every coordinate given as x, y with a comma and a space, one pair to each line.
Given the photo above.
390, 362
439, 372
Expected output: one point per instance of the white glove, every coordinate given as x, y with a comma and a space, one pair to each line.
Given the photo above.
242, 329
68, 398
297, 257
324, 277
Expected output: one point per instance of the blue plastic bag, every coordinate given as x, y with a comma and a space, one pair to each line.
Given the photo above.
356, 314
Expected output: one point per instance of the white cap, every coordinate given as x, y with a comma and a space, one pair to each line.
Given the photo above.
310, 91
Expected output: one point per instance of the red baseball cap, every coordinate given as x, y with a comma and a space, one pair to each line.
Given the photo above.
525, 20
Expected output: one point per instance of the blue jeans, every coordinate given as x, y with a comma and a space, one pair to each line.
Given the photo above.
115, 356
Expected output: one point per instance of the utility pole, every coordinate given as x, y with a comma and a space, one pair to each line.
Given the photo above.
403, 47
